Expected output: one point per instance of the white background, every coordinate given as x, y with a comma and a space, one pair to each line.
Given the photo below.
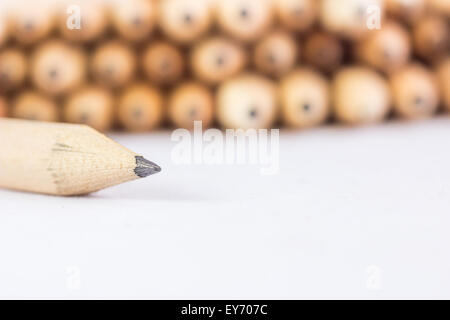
353, 213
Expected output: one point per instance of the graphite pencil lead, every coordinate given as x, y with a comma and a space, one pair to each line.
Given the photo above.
145, 168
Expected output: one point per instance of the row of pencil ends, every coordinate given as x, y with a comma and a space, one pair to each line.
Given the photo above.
185, 21
303, 98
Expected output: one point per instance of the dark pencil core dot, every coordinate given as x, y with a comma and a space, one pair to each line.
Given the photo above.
165, 66
187, 18
192, 112
137, 113
271, 58
136, 21
28, 25
84, 117
244, 14
220, 61
53, 73
296, 12
4, 77
419, 101
253, 113
109, 71
306, 107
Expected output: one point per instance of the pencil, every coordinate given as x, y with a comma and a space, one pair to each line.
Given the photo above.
276, 53
13, 69
323, 51
64, 159
3, 107
163, 63
183, 21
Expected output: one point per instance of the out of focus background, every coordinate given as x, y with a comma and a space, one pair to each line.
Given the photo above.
140, 65
359, 207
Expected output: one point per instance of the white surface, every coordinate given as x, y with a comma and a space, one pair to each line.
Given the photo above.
344, 200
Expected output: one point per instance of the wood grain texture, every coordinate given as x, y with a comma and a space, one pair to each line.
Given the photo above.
61, 159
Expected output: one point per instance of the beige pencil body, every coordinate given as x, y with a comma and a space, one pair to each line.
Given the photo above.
64, 159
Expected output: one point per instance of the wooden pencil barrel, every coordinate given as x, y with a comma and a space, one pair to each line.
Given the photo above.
4, 29
323, 51
13, 69
64, 159
113, 64
191, 102
305, 98
140, 108
409, 11
297, 15
415, 92
431, 36
245, 20
276, 53
247, 101
185, 21
134, 20
217, 59
3, 107
163, 63
443, 74
348, 18
387, 49
57, 67
32, 105
440, 7
360, 96
29, 24
93, 20
92, 106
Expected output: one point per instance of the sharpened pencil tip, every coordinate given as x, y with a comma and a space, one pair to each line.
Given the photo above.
145, 168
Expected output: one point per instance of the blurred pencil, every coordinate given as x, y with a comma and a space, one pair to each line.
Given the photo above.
323, 51
185, 21
3, 107
163, 63
276, 53
57, 67
443, 74
216, 59
415, 92
140, 107
244, 20
133, 20
431, 38
13, 69
29, 24
297, 15
93, 20
93, 106
113, 64
32, 105
189, 102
